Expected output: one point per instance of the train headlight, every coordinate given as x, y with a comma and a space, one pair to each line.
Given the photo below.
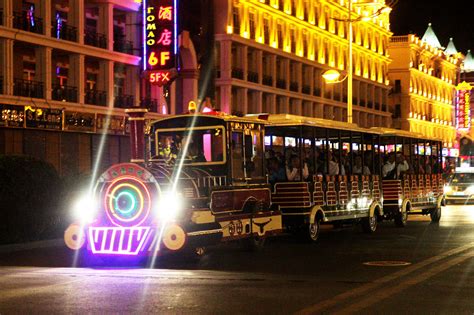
85, 208
447, 189
169, 206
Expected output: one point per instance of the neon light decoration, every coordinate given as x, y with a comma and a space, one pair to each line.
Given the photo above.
127, 201
118, 240
59, 25
463, 106
160, 37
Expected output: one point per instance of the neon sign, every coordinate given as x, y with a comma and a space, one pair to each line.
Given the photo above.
118, 241
160, 40
463, 106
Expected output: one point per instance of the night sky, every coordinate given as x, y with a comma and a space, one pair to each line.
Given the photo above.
453, 18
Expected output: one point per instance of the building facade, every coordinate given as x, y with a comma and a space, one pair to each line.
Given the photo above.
270, 56
424, 78
68, 69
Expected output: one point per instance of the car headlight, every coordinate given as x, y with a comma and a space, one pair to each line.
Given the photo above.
169, 206
447, 189
85, 208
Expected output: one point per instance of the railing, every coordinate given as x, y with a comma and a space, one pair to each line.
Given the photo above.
399, 39
252, 76
64, 31
28, 88
95, 39
150, 103
22, 22
64, 93
124, 101
123, 46
95, 97
211, 181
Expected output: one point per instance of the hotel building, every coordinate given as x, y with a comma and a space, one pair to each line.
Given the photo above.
424, 76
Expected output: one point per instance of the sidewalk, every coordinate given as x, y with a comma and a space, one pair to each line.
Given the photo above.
9, 248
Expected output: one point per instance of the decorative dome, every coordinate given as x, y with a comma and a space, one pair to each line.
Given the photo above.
431, 38
468, 62
451, 49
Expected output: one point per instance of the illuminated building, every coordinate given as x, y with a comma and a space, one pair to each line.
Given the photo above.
270, 56
64, 65
424, 76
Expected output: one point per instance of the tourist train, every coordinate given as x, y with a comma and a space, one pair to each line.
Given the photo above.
200, 179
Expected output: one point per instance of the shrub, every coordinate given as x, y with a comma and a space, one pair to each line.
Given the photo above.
30, 200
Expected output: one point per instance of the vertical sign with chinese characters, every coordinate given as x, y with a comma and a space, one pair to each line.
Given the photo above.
160, 38
463, 106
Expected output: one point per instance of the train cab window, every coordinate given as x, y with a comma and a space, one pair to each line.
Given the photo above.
197, 146
247, 154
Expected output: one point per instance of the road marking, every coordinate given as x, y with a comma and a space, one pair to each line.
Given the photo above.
382, 294
378, 282
387, 263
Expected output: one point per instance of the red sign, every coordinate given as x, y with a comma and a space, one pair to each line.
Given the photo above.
463, 106
160, 37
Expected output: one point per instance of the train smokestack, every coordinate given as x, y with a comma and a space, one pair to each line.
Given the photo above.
137, 134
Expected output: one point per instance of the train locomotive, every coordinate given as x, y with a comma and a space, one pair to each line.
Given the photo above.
193, 180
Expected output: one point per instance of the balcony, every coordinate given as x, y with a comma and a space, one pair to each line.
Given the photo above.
123, 46
95, 39
281, 84
252, 76
96, 97
267, 80
238, 73
124, 101
294, 86
28, 88
33, 24
64, 31
306, 89
150, 103
64, 93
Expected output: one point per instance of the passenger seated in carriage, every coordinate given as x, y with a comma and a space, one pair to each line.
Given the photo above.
357, 168
293, 170
276, 173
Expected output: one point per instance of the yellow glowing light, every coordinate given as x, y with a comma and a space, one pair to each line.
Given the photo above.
331, 76
230, 29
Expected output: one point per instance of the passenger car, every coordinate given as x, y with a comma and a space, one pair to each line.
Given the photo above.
460, 187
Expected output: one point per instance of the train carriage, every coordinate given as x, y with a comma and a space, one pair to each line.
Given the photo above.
418, 190
196, 180
331, 192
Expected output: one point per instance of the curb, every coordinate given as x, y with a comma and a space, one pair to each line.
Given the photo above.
32, 245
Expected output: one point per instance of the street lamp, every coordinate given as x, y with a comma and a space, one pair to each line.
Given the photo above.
333, 76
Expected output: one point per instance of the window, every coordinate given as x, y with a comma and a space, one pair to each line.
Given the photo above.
197, 146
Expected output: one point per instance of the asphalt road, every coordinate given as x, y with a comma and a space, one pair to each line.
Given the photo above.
436, 276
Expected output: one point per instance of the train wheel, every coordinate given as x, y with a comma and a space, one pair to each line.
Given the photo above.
313, 230
369, 225
402, 217
435, 214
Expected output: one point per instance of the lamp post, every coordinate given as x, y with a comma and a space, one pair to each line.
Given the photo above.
333, 76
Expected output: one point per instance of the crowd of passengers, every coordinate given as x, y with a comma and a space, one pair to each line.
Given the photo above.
289, 167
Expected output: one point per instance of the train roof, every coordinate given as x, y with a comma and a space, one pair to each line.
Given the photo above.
292, 120
402, 133
214, 115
